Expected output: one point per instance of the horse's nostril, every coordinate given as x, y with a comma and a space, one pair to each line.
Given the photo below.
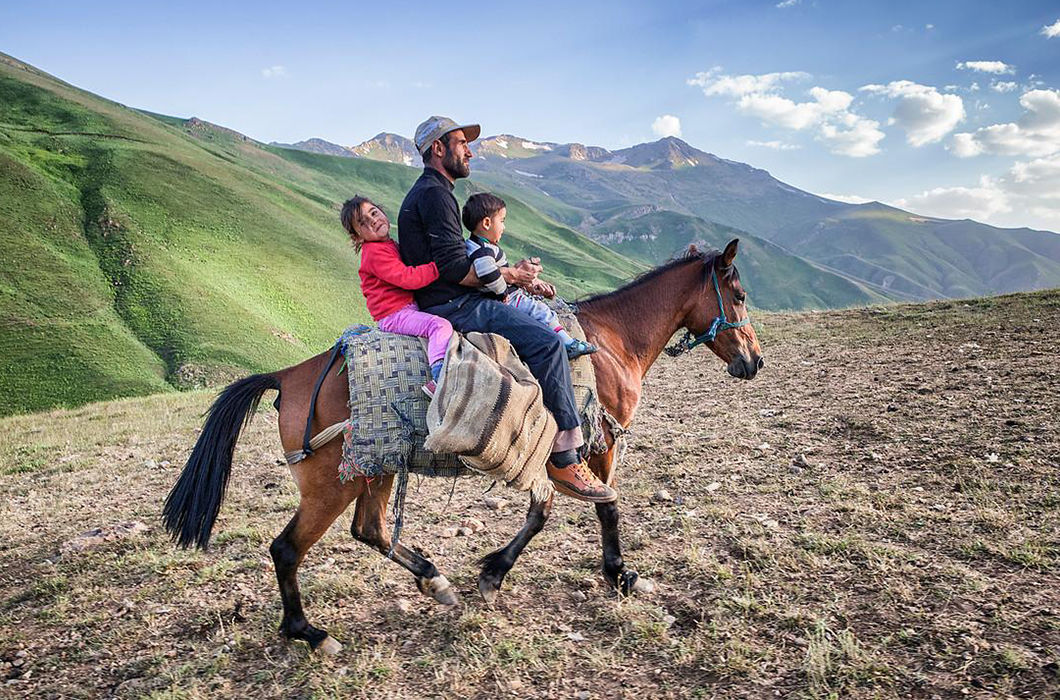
761, 363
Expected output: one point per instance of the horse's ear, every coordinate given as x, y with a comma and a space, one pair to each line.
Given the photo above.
730, 253
692, 249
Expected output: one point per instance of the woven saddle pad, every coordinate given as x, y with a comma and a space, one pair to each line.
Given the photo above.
388, 409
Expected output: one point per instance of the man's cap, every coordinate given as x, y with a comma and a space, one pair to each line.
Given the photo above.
436, 127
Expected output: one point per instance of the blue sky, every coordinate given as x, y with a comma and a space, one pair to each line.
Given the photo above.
945, 108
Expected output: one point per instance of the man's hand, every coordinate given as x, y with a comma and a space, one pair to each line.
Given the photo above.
541, 288
518, 276
531, 264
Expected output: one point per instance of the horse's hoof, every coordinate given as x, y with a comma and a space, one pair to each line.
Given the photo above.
642, 585
488, 591
328, 647
440, 589
630, 582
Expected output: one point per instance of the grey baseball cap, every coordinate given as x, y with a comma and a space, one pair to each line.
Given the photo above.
436, 127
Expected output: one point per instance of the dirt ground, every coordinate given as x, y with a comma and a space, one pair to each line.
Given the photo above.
876, 515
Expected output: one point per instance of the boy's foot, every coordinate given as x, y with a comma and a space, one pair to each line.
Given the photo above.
576, 481
576, 348
429, 388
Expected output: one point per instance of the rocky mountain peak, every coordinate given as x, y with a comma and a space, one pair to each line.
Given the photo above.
667, 153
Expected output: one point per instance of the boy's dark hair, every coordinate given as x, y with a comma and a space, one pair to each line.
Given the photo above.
479, 206
351, 210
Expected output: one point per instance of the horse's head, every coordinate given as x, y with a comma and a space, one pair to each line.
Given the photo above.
718, 316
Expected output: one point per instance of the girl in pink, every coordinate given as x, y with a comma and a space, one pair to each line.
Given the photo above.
386, 281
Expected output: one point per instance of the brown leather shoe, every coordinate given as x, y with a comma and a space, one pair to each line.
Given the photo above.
578, 482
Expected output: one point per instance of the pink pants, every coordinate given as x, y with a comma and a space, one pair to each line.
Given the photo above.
409, 320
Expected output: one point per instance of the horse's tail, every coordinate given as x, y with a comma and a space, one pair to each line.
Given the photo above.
195, 500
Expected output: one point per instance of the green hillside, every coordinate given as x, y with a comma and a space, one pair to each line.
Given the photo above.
146, 252
774, 278
927, 258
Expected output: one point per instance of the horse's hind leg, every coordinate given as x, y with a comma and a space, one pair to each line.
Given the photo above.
369, 526
496, 565
310, 521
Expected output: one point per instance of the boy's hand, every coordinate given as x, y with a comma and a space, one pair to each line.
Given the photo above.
542, 288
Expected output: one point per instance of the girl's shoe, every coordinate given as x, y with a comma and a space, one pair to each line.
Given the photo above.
576, 348
429, 388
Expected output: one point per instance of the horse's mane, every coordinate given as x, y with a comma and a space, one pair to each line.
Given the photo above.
706, 257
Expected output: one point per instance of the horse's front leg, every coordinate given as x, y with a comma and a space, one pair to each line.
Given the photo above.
496, 565
625, 580
369, 526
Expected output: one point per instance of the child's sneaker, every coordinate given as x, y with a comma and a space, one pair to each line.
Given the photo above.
429, 388
576, 348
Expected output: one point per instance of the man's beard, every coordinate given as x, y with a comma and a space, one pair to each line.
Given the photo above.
452, 164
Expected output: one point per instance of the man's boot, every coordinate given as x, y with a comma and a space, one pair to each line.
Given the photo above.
577, 481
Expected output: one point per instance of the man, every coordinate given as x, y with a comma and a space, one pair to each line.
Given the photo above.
429, 230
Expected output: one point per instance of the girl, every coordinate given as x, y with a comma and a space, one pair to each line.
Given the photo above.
386, 281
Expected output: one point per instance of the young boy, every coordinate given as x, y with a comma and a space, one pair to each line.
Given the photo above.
484, 216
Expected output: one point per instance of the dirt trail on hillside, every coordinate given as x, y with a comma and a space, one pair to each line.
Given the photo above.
877, 515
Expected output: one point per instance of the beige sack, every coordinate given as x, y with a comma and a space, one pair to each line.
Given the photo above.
488, 410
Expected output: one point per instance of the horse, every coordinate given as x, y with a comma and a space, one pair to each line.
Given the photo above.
698, 291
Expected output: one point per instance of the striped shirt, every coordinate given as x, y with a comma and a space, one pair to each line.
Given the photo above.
488, 259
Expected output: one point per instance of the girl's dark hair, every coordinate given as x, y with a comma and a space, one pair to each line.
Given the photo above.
479, 206
351, 210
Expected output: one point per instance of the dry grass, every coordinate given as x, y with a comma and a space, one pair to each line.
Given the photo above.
916, 556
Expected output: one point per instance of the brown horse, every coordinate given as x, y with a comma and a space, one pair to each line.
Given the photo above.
631, 326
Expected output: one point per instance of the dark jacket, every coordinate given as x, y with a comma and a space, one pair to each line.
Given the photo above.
429, 231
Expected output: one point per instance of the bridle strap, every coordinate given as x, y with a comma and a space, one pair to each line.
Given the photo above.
719, 324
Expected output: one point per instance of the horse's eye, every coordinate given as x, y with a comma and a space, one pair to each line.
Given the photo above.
740, 298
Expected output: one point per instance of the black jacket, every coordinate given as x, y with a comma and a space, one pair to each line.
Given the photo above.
429, 230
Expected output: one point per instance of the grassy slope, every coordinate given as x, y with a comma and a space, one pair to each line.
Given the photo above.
598, 198
153, 252
930, 257
774, 278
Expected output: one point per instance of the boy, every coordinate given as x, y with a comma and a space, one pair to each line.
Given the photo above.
484, 216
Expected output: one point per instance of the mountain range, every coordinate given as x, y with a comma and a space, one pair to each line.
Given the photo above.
653, 199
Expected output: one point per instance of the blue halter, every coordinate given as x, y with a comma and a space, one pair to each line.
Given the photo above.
719, 324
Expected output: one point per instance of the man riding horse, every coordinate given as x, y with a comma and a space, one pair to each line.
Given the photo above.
429, 230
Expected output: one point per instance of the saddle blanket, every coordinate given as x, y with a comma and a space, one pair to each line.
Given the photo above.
388, 428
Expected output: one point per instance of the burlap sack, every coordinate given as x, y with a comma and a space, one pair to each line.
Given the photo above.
488, 410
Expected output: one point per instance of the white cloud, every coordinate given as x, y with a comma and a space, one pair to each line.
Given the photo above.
827, 113
859, 139
787, 3
929, 27
714, 83
775, 145
274, 72
666, 125
848, 198
1004, 86
922, 111
998, 67
1027, 195
1036, 134
1052, 31
982, 203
